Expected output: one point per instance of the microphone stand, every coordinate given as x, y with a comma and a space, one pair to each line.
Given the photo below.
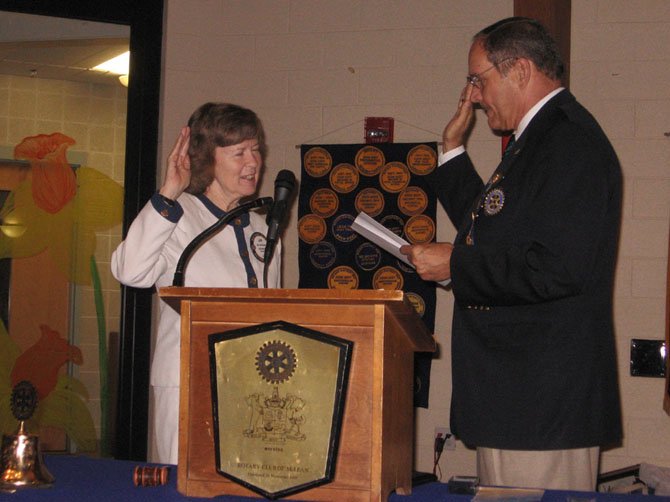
267, 258
266, 267
178, 279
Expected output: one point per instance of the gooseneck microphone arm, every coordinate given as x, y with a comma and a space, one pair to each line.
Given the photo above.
178, 279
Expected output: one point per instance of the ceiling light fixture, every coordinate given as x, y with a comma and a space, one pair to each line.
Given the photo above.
118, 64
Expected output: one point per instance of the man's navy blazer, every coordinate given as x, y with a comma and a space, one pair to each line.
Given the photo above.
533, 346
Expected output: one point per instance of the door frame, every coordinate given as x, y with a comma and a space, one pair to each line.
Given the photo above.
145, 19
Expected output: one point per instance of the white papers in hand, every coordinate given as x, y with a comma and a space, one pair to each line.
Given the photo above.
384, 238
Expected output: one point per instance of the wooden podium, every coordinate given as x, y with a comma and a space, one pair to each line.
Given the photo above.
375, 453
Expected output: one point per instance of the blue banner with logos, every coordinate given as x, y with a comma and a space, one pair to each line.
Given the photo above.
387, 182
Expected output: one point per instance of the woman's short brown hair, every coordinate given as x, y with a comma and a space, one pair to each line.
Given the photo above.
218, 124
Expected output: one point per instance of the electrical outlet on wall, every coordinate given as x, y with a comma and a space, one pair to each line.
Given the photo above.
647, 358
449, 439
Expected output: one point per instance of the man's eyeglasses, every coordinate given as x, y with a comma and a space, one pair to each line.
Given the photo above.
475, 79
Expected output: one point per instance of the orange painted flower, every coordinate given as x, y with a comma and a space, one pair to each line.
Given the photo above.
62, 399
53, 180
40, 363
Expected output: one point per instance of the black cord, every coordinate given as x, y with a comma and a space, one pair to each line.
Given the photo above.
438, 448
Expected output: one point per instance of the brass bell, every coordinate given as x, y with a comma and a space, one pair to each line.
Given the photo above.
22, 465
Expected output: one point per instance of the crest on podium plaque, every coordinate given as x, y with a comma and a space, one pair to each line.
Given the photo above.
278, 392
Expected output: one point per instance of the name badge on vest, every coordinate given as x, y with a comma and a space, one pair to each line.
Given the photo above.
257, 244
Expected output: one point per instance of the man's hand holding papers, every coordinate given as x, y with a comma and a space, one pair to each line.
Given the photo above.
419, 256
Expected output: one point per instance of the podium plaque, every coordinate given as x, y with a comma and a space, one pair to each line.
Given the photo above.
278, 393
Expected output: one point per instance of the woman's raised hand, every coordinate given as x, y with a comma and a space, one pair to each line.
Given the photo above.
178, 172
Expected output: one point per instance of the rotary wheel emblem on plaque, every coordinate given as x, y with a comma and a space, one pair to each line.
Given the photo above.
275, 361
24, 400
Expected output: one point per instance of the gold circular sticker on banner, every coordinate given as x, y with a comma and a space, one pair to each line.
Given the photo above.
343, 277
420, 229
317, 161
324, 202
311, 228
417, 302
370, 160
370, 201
412, 200
387, 278
344, 178
394, 177
422, 160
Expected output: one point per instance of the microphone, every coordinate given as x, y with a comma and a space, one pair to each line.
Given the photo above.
284, 186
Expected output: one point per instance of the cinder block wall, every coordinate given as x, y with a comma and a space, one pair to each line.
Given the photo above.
620, 71
313, 69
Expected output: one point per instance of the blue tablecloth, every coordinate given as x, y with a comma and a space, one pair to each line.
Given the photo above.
83, 479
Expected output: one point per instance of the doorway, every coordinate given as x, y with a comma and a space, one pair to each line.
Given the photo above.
134, 169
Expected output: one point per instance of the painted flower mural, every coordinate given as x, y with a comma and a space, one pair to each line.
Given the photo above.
57, 209
61, 399
53, 180
68, 234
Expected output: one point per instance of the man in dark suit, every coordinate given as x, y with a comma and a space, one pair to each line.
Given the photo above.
534, 364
